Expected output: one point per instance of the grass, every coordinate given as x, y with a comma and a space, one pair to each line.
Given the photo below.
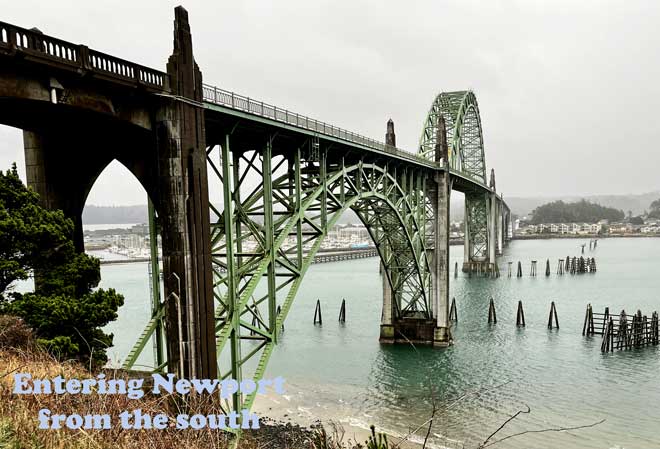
19, 423
19, 413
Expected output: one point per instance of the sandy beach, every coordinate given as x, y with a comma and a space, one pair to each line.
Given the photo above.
299, 406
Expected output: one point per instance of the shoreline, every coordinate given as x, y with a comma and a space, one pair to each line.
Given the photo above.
351, 424
581, 236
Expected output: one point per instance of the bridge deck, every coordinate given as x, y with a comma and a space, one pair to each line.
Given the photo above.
33, 46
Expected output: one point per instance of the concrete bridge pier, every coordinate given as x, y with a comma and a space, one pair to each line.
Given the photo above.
169, 159
434, 330
387, 332
50, 173
184, 214
440, 275
492, 228
500, 228
493, 218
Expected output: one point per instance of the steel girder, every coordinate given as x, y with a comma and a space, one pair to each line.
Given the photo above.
463, 129
266, 236
466, 155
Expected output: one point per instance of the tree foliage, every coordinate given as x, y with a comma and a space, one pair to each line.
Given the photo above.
654, 209
65, 309
581, 211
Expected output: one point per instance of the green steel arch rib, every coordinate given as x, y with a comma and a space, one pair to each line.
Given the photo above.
464, 135
265, 241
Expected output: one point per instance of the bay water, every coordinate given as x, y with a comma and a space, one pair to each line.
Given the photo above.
341, 372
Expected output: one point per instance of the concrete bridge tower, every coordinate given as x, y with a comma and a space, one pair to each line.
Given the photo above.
62, 165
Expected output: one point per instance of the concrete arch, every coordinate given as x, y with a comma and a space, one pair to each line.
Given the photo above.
62, 168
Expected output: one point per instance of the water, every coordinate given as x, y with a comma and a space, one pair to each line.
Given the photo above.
342, 372
100, 227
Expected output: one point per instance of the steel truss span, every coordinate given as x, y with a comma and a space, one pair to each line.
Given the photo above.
282, 195
465, 143
285, 179
267, 234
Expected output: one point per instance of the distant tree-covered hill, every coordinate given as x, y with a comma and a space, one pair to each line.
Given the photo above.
521, 207
580, 211
115, 214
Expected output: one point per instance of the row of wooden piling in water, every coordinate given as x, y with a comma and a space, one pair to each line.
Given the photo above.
574, 265
318, 317
553, 320
617, 334
622, 334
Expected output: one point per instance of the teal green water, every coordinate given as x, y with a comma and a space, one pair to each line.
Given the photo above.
342, 372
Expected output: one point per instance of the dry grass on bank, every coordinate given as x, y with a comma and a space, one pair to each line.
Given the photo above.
19, 413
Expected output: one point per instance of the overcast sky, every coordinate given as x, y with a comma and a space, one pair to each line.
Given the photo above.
568, 90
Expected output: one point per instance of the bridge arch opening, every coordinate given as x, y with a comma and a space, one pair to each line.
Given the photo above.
309, 194
117, 230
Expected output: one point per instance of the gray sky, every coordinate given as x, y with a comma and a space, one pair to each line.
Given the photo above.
568, 90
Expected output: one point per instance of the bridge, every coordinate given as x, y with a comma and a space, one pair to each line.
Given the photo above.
232, 265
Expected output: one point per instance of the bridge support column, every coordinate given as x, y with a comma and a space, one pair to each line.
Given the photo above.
52, 171
492, 228
386, 319
184, 216
500, 228
440, 275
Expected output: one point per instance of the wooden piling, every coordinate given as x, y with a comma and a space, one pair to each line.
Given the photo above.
455, 269
588, 327
519, 269
510, 263
279, 310
547, 267
342, 311
606, 317
623, 334
608, 337
453, 314
492, 316
317, 313
637, 329
255, 323
553, 315
520, 315
560, 267
532, 269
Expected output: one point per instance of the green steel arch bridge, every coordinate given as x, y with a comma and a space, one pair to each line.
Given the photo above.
232, 265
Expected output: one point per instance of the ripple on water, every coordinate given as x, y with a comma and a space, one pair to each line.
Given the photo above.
560, 374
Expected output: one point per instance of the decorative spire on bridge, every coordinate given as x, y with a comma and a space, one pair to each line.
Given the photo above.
441, 145
390, 137
491, 184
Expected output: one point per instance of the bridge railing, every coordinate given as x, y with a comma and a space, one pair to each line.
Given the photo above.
37, 46
232, 100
